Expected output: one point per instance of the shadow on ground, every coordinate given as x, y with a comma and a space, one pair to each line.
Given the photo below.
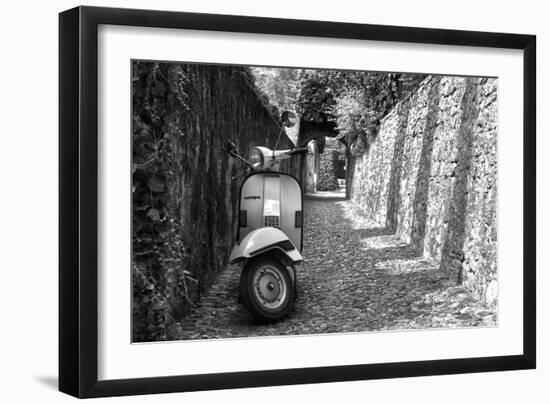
354, 278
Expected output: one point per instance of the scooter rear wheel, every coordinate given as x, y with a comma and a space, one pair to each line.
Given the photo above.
266, 289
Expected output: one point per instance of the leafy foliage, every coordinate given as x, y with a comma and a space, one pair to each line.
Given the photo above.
328, 178
317, 92
278, 84
355, 100
159, 275
336, 145
278, 89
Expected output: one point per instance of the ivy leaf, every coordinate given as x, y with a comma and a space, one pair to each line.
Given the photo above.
158, 89
156, 184
153, 214
171, 279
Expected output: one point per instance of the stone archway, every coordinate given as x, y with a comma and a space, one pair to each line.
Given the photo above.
315, 131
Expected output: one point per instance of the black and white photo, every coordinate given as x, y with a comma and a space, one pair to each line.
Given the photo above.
270, 201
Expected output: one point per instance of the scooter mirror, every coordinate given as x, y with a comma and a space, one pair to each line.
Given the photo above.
232, 149
288, 118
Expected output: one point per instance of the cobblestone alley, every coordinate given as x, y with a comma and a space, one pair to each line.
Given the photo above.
354, 278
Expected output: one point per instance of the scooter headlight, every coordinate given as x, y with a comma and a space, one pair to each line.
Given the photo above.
256, 158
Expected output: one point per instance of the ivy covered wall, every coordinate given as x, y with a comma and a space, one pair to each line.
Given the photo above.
185, 184
328, 176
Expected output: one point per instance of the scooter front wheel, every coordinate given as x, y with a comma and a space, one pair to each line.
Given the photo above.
266, 289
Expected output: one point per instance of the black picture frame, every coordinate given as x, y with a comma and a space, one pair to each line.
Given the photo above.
78, 201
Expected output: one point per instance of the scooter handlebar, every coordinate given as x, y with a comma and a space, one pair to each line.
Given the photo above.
299, 150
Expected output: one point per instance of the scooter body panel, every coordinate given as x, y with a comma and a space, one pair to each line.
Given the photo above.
263, 240
271, 199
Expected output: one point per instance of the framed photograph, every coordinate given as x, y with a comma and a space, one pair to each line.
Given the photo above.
251, 201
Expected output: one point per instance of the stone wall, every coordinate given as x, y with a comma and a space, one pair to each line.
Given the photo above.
185, 176
374, 179
223, 106
431, 175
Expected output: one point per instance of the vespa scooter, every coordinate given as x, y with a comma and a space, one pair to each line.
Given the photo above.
269, 236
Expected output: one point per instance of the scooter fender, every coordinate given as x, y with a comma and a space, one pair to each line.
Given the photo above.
262, 240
